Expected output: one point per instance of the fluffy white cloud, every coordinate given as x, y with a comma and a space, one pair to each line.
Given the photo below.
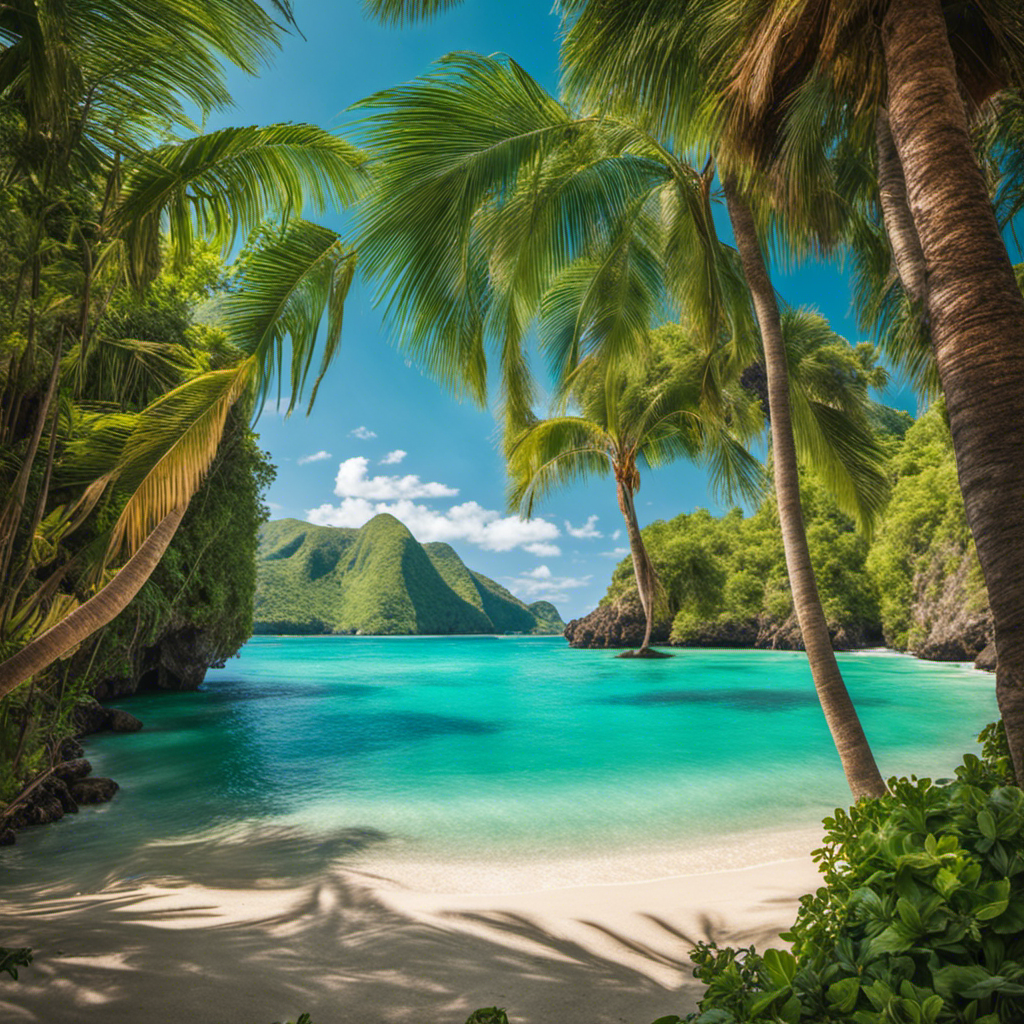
542, 550
393, 458
541, 584
363, 433
586, 531
468, 522
615, 553
616, 535
352, 482
315, 457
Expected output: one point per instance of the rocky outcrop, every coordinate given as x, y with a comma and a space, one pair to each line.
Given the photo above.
93, 718
178, 661
58, 792
986, 661
619, 624
952, 620
94, 790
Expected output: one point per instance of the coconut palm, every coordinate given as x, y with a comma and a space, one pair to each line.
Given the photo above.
489, 189
631, 417
920, 60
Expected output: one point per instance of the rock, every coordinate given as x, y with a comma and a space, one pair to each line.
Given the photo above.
987, 659
89, 719
59, 788
47, 802
94, 790
644, 653
121, 721
71, 771
7, 837
69, 750
619, 624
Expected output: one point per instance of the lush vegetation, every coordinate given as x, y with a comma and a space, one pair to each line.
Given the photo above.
914, 584
379, 579
919, 919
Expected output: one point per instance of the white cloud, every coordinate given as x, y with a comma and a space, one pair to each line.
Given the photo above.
393, 458
616, 535
315, 457
587, 530
468, 522
352, 482
615, 553
543, 550
541, 584
274, 507
363, 433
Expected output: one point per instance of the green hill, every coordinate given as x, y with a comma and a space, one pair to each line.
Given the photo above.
379, 579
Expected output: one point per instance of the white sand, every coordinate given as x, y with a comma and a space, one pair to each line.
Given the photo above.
353, 947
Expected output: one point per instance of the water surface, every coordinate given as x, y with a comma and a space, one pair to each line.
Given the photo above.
307, 751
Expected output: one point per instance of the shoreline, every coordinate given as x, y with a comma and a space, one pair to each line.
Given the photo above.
352, 947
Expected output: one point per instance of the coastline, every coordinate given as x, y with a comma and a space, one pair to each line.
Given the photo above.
352, 947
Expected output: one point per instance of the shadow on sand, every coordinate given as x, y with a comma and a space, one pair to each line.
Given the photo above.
329, 945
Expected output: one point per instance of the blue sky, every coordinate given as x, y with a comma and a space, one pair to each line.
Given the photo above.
385, 436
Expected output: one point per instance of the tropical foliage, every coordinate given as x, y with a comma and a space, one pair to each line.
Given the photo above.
126, 353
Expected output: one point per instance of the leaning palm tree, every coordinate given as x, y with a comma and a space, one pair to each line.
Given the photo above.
631, 417
97, 207
489, 189
916, 67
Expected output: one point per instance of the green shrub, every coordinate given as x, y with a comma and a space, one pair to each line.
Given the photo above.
920, 919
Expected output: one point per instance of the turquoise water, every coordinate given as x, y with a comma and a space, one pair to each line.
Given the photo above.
309, 749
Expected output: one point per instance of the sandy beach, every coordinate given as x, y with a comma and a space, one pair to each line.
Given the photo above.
355, 947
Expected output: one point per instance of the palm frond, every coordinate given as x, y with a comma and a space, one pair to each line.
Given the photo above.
288, 283
553, 454
170, 449
229, 181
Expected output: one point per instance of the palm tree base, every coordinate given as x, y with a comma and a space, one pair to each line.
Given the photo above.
644, 652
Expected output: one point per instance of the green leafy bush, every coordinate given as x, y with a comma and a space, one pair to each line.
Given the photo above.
920, 919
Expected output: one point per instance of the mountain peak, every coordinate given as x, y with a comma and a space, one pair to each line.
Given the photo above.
379, 579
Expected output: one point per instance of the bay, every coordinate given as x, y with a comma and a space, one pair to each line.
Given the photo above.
310, 751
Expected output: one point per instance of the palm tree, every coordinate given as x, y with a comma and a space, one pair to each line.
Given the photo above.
628, 418
925, 58
489, 189
82, 94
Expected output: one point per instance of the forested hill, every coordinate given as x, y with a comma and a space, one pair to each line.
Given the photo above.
379, 580
915, 586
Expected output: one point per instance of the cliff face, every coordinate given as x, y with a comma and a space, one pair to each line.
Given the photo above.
379, 580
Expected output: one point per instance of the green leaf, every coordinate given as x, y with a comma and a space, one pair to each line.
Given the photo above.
987, 824
842, 996
781, 966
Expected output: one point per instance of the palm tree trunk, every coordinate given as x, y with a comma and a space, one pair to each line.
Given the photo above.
976, 318
899, 222
87, 618
858, 762
643, 568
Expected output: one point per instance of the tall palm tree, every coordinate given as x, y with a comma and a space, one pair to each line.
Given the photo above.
634, 416
489, 189
925, 58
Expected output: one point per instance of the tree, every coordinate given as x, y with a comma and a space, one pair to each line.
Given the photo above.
489, 189
83, 93
629, 417
923, 60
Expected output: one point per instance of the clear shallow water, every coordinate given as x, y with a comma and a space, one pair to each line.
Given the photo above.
310, 749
